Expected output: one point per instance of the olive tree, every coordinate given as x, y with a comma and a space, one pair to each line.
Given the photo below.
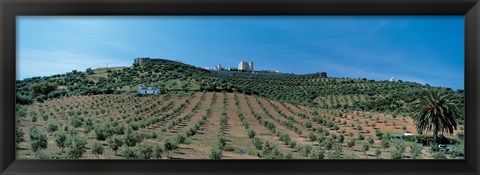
114, 142
60, 138
145, 150
157, 151
97, 149
38, 140
76, 146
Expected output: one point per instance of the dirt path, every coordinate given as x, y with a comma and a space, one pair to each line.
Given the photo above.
187, 151
237, 137
205, 139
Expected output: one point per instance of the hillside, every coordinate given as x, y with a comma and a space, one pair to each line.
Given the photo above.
202, 114
310, 90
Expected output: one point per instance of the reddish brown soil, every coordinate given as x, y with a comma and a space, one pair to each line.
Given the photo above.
236, 133
205, 139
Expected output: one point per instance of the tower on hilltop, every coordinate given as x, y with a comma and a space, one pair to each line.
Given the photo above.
245, 66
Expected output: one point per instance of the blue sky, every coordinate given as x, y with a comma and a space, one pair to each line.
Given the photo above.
426, 49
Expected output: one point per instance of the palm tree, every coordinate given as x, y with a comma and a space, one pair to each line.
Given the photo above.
437, 112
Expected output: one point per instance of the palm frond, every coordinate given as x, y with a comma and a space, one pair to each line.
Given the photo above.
437, 112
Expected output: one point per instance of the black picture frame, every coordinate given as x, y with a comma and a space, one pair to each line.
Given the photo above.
9, 9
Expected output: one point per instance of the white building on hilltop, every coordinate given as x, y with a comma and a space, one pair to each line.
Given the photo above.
245, 65
218, 67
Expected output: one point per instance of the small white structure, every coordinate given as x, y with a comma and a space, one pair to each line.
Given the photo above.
392, 79
147, 91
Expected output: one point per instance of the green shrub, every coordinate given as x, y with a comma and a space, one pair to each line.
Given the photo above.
251, 134
169, 144
44, 117
317, 153
97, 149
365, 148
76, 121
370, 140
145, 150
378, 152
292, 144
385, 144
399, 150
270, 151
416, 150
19, 135
191, 132
38, 140
157, 151
114, 143
461, 135
312, 137
360, 136
333, 155
88, 125
52, 126
438, 155
60, 138
43, 155
129, 153
328, 144
457, 151
288, 155
215, 153
221, 142
257, 143
131, 138
76, 146
378, 133
34, 118
43, 88
180, 139
351, 143
308, 125
305, 150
